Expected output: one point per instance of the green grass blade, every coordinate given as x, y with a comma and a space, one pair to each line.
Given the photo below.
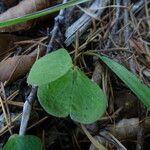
41, 13
137, 87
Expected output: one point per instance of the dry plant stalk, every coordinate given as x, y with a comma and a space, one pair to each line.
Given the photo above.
85, 21
23, 8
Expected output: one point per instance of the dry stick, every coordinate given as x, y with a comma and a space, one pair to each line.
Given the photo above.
84, 21
115, 27
55, 30
126, 22
137, 6
147, 14
141, 128
127, 34
31, 98
26, 110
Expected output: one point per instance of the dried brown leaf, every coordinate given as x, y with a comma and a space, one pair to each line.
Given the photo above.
15, 67
127, 129
23, 8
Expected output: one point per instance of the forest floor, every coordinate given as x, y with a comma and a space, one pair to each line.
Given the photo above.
119, 30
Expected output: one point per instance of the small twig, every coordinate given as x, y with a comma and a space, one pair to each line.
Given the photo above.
115, 26
141, 129
127, 35
76, 48
137, 6
84, 21
126, 21
147, 14
26, 110
54, 32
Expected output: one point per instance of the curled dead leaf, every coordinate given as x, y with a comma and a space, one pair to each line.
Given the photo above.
127, 129
15, 67
23, 8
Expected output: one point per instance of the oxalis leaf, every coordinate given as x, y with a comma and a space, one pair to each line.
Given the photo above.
50, 67
73, 94
26, 142
137, 87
